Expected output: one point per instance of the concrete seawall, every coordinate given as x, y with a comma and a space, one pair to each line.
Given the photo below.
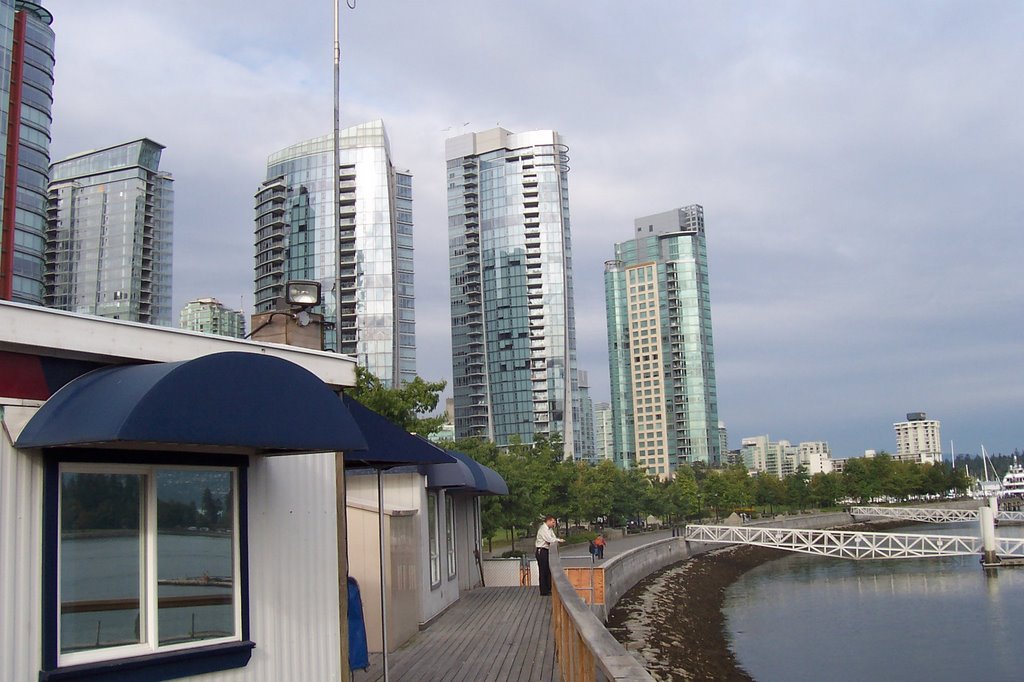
621, 573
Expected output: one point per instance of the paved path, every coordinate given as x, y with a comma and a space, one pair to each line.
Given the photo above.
490, 634
577, 555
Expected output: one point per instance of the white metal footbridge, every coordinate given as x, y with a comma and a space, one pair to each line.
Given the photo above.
934, 515
853, 544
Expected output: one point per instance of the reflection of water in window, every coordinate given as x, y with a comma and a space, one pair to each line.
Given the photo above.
100, 550
195, 560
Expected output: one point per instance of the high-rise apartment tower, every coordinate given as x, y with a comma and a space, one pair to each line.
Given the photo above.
210, 316
26, 98
370, 250
510, 257
109, 234
660, 350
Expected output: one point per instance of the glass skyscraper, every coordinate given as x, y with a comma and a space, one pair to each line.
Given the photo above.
295, 240
510, 260
660, 350
26, 99
109, 235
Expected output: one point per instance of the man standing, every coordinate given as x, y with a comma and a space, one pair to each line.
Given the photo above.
545, 538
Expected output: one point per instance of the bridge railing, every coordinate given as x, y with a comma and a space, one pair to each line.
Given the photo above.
584, 650
851, 544
932, 515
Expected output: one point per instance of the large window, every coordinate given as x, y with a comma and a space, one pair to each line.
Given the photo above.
435, 551
147, 560
449, 525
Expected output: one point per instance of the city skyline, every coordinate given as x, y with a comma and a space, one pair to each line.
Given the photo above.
859, 165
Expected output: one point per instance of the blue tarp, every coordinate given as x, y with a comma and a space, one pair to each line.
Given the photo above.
358, 656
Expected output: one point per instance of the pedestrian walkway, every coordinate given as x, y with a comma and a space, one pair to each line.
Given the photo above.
577, 555
490, 634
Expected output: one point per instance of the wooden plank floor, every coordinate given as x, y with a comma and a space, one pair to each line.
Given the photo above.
491, 633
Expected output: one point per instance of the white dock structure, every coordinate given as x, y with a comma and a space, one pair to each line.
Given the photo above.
853, 544
932, 515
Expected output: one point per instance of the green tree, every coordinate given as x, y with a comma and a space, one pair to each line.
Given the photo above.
402, 405
683, 493
798, 489
768, 491
825, 489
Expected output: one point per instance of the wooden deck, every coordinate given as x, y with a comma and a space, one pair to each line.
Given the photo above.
490, 634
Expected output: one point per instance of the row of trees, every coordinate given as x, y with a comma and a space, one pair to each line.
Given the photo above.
540, 482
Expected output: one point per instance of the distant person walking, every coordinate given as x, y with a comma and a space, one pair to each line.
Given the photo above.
545, 538
599, 543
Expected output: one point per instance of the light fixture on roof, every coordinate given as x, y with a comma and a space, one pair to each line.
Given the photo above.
302, 293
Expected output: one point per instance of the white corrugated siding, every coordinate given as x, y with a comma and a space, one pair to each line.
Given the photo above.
21, 489
293, 576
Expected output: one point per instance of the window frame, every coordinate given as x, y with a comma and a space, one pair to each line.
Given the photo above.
140, 662
433, 543
449, 525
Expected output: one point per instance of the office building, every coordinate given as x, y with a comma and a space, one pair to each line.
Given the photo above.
660, 349
510, 257
26, 99
586, 446
109, 234
604, 435
210, 316
367, 254
918, 439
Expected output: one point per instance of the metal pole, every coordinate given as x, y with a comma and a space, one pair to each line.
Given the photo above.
383, 585
337, 183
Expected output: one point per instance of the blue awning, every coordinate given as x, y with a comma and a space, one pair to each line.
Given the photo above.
235, 402
467, 474
388, 445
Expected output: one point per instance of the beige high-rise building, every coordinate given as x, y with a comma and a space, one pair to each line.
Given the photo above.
918, 439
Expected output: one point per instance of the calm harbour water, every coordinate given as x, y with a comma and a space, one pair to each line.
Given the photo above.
813, 618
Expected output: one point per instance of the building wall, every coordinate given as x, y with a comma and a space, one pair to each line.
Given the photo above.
661, 350
295, 225
21, 504
26, 98
510, 254
919, 439
110, 234
210, 316
295, 619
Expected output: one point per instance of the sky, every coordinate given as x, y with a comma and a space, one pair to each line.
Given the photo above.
860, 165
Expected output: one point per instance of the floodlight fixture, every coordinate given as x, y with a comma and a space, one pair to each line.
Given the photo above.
302, 293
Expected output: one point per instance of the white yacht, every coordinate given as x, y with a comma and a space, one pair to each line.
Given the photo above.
1013, 481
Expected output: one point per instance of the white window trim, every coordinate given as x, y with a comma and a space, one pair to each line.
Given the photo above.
449, 519
147, 568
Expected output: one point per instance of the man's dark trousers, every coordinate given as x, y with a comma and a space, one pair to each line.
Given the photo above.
544, 569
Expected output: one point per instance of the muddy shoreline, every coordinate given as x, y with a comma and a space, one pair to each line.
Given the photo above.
672, 620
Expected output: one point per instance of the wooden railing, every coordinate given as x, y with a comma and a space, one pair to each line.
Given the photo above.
584, 650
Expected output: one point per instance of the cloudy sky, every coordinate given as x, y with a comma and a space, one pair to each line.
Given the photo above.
861, 168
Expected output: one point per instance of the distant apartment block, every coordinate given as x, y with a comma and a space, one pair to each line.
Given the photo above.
109, 234
660, 349
918, 439
26, 99
511, 291
210, 316
367, 255
781, 458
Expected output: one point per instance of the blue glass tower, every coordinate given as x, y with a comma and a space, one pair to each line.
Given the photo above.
660, 349
510, 263
295, 240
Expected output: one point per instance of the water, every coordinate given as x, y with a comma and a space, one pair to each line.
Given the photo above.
813, 618
108, 568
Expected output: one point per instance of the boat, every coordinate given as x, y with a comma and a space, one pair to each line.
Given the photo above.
1013, 481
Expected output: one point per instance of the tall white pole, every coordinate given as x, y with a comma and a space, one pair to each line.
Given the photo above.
337, 183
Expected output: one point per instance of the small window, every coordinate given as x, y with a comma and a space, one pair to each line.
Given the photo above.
449, 520
144, 561
435, 551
